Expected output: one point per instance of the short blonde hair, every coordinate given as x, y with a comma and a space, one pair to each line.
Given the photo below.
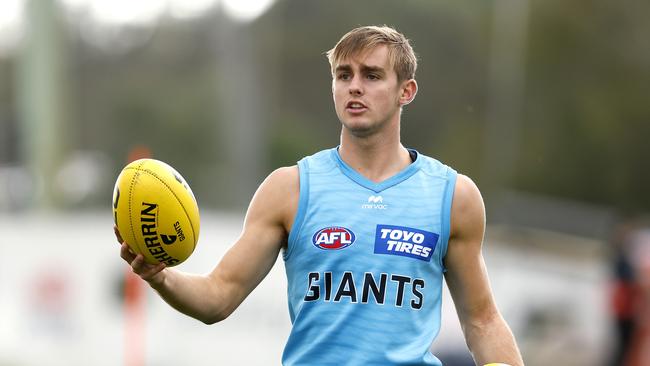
362, 39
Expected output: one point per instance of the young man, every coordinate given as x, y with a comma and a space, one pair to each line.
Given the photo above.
367, 231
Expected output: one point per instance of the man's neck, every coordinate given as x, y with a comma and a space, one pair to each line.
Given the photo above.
376, 157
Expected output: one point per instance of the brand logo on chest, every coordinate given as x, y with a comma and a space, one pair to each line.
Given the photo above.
333, 238
405, 242
375, 203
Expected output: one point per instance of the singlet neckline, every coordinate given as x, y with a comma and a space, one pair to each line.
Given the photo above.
377, 187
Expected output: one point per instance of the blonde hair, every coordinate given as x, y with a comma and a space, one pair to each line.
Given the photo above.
363, 39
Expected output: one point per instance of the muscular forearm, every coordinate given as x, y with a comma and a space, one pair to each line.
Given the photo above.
492, 341
194, 295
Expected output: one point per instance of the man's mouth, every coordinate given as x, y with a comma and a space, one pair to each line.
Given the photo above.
356, 106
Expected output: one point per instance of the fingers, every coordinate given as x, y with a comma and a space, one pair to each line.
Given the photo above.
145, 270
117, 234
139, 266
126, 253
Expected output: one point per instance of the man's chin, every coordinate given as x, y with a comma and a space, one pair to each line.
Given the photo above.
360, 129
362, 125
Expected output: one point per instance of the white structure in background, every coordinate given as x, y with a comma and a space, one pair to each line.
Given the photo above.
60, 298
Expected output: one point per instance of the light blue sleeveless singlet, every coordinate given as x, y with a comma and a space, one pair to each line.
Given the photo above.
364, 263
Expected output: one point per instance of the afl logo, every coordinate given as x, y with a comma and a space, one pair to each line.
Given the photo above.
333, 238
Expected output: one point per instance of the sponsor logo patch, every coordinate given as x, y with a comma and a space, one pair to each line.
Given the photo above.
333, 238
405, 242
375, 203
376, 199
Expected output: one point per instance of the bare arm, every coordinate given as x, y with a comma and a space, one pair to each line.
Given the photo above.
212, 297
487, 335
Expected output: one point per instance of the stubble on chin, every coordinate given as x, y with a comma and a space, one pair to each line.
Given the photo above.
360, 130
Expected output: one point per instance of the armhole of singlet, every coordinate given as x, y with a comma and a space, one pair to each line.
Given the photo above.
446, 214
303, 198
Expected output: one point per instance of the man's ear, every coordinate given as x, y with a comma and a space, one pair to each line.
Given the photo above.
409, 88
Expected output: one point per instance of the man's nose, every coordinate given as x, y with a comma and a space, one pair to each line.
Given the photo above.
355, 87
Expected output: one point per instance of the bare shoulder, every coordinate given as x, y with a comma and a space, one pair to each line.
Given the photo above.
467, 210
287, 175
276, 198
282, 184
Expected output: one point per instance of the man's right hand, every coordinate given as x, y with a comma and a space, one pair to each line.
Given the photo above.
151, 273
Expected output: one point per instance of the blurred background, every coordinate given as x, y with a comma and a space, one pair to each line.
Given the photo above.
543, 103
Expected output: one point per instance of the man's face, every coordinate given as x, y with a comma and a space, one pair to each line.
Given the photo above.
366, 92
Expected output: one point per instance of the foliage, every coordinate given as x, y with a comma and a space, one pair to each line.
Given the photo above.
582, 129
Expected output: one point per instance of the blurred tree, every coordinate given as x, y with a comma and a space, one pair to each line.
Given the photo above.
585, 118
160, 94
583, 124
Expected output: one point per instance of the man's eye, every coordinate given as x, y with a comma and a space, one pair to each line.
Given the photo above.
344, 76
372, 77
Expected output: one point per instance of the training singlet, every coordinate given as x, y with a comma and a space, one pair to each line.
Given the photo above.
364, 263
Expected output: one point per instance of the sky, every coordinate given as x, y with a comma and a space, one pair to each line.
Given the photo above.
120, 12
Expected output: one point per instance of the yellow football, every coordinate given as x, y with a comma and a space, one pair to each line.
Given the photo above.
156, 212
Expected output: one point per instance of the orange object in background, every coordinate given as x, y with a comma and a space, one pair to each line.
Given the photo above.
134, 297
134, 319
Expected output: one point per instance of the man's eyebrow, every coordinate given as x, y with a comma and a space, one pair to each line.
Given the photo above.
344, 67
364, 69
372, 69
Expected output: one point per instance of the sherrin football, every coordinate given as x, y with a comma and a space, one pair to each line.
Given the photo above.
156, 212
